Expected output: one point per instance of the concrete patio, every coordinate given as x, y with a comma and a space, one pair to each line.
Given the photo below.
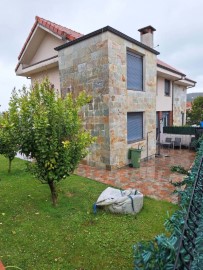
153, 178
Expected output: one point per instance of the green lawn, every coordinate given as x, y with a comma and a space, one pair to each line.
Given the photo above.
36, 236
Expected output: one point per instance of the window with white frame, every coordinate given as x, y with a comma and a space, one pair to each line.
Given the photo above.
134, 126
167, 87
134, 71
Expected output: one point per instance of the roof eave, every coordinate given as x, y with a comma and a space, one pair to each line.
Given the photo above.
189, 80
172, 70
55, 34
27, 40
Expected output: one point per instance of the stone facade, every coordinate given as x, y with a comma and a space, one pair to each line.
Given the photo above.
122, 101
179, 105
98, 66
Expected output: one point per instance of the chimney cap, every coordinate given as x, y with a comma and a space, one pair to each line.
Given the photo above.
147, 29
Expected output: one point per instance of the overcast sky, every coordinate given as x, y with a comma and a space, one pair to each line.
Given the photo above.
179, 34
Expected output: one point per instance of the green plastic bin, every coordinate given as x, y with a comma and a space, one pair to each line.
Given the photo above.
135, 155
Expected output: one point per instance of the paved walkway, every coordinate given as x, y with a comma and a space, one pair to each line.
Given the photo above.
152, 178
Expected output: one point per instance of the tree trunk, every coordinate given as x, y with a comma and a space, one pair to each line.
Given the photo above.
9, 165
53, 192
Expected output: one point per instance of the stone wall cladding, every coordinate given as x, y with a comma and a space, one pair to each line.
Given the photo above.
98, 66
84, 66
179, 104
122, 101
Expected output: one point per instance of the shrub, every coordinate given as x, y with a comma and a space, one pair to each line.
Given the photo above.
51, 132
179, 169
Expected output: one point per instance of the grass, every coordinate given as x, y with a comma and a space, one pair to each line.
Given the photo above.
35, 235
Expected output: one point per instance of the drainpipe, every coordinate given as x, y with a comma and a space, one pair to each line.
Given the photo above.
159, 139
191, 86
148, 145
182, 115
182, 78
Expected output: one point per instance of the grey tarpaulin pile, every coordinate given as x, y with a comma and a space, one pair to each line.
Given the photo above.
128, 201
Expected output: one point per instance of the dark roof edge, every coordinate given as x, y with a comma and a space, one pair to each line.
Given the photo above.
189, 80
102, 30
172, 70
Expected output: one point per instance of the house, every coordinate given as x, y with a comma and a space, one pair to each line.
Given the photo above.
131, 89
172, 88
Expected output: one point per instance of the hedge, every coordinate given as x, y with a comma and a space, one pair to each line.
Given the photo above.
160, 253
180, 130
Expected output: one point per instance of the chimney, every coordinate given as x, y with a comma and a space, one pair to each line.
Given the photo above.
146, 35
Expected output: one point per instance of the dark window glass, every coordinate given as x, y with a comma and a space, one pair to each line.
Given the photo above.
134, 126
167, 87
165, 116
134, 71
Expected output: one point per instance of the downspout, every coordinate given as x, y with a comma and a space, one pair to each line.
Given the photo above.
148, 144
191, 86
182, 78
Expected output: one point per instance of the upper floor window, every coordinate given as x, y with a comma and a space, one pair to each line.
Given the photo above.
134, 71
167, 87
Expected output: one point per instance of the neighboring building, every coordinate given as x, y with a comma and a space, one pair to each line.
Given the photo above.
127, 82
172, 88
188, 105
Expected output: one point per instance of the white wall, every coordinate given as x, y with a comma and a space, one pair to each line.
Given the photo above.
46, 48
163, 103
185, 139
52, 74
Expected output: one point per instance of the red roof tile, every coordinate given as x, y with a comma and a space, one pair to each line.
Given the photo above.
188, 104
53, 27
